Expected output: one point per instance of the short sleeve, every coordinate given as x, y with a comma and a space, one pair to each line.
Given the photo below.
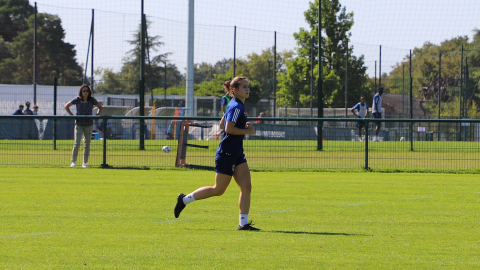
224, 101
233, 114
355, 107
74, 101
94, 101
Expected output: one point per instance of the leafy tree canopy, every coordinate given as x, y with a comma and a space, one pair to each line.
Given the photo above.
159, 71
295, 85
13, 18
53, 54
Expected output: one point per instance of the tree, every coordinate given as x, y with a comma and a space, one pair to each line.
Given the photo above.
13, 18
212, 87
259, 68
203, 72
54, 55
425, 68
336, 24
152, 63
222, 66
4, 49
127, 80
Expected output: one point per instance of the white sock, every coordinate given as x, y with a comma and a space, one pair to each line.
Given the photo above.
188, 199
243, 219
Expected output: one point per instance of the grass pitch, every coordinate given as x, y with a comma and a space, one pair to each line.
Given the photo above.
57, 218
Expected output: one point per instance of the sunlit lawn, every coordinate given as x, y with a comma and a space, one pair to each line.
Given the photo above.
58, 218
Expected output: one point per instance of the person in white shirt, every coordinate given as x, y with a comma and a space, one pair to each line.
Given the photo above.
360, 110
377, 110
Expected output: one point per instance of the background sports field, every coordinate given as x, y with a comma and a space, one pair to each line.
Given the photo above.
58, 218
427, 156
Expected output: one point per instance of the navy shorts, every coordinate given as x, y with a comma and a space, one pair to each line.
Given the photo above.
225, 163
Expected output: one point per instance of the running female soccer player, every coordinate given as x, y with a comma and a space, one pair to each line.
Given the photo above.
230, 160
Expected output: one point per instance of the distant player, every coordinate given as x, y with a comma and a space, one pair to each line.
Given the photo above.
360, 110
223, 104
377, 110
230, 160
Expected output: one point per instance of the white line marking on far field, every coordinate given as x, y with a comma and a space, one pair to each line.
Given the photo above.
273, 212
417, 198
25, 235
172, 220
351, 204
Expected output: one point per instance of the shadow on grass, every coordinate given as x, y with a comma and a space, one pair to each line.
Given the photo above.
317, 233
296, 232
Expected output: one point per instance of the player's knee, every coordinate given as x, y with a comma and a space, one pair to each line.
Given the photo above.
218, 191
246, 187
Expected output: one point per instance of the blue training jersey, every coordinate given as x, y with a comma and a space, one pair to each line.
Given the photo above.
233, 144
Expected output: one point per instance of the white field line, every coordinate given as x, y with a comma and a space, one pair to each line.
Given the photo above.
418, 198
273, 212
26, 235
351, 204
172, 220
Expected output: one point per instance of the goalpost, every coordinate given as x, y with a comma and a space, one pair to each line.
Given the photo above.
183, 145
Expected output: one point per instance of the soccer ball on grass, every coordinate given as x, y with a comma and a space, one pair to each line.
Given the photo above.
166, 149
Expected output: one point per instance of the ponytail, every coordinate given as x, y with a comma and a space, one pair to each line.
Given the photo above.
231, 84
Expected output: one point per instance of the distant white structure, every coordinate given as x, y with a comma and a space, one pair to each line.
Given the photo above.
14, 95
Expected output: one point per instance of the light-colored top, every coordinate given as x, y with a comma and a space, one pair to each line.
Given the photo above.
377, 104
362, 109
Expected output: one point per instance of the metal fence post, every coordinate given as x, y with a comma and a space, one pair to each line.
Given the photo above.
320, 81
346, 81
366, 144
411, 103
104, 126
380, 68
55, 81
234, 49
439, 81
142, 80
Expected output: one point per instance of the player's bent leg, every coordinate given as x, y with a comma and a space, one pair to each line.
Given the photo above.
221, 183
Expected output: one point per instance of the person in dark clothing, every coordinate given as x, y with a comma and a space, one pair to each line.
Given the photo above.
230, 161
27, 110
19, 111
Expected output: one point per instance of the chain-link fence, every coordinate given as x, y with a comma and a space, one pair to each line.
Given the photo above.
279, 143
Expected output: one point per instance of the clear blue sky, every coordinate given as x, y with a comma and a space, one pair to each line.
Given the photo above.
396, 25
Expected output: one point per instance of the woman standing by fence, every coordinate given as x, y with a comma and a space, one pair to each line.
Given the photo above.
84, 103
